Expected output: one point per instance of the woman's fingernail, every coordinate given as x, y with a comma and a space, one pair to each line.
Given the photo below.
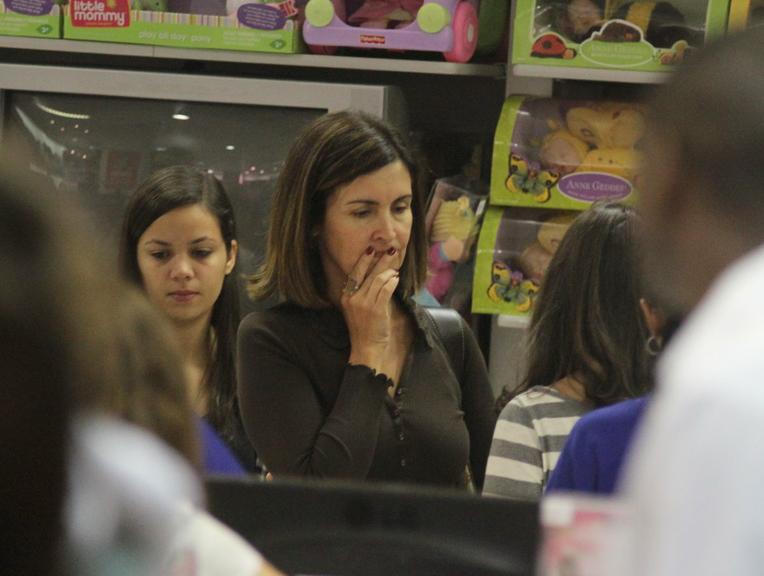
391, 251
369, 250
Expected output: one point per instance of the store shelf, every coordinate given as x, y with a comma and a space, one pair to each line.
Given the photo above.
594, 74
76, 46
517, 322
258, 58
344, 62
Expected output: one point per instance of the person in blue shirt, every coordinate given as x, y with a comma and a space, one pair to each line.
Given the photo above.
598, 444
596, 448
217, 455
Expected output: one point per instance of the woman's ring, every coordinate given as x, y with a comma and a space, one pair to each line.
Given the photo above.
351, 286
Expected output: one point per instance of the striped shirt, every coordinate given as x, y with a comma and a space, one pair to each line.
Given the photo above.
527, 442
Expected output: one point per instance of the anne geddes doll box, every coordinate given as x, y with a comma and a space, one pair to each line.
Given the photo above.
614, 34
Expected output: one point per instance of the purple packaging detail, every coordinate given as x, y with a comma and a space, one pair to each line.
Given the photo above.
261, 17
30, 7
592, 186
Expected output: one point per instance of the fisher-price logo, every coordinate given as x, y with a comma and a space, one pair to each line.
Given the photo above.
377, 39
100, 13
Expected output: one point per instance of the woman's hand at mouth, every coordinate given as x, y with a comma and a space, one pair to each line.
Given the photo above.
365, 303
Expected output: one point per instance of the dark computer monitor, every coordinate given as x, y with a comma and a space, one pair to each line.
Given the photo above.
336, 529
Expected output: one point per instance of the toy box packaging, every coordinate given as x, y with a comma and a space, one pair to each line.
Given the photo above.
566, 154
513, 253
614, 34
38, 18
211, 24
745, 13
452, 223
456, 28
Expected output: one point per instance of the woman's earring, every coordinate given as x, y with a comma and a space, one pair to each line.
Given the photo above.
653, 346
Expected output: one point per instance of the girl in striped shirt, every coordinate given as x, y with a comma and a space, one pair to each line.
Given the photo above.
585, 349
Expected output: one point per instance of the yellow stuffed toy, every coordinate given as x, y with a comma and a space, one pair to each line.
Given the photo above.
623, 162
595, 138
607, 125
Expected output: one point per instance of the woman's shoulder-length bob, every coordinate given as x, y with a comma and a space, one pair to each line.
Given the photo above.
331, 152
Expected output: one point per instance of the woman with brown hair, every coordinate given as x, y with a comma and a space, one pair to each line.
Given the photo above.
347, 376
179, 245
586, 349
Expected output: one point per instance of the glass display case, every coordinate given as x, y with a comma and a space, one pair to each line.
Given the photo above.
96, 136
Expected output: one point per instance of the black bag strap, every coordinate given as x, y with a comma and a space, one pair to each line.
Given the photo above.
448, 325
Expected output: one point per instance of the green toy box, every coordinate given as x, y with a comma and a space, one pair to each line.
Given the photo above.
614, 34
566, 154
745, 13
38, 18
513, 252
233, 25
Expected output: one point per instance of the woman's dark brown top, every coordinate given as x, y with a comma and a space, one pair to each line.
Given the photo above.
308, 413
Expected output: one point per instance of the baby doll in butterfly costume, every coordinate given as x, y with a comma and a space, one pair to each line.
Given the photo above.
520, 280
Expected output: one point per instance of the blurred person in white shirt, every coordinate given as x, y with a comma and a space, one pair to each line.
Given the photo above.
694, 481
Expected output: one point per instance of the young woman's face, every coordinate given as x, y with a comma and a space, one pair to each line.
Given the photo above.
183, 262
374, 211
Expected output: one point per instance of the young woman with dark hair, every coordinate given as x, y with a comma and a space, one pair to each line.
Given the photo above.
179, 244
586, 349
346, 376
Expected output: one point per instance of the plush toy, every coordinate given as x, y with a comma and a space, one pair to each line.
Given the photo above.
675, 54
562, 152
534, 260
452, 229
661, 23
385, 13
607, 125
623, 162
579, 19
518, 281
